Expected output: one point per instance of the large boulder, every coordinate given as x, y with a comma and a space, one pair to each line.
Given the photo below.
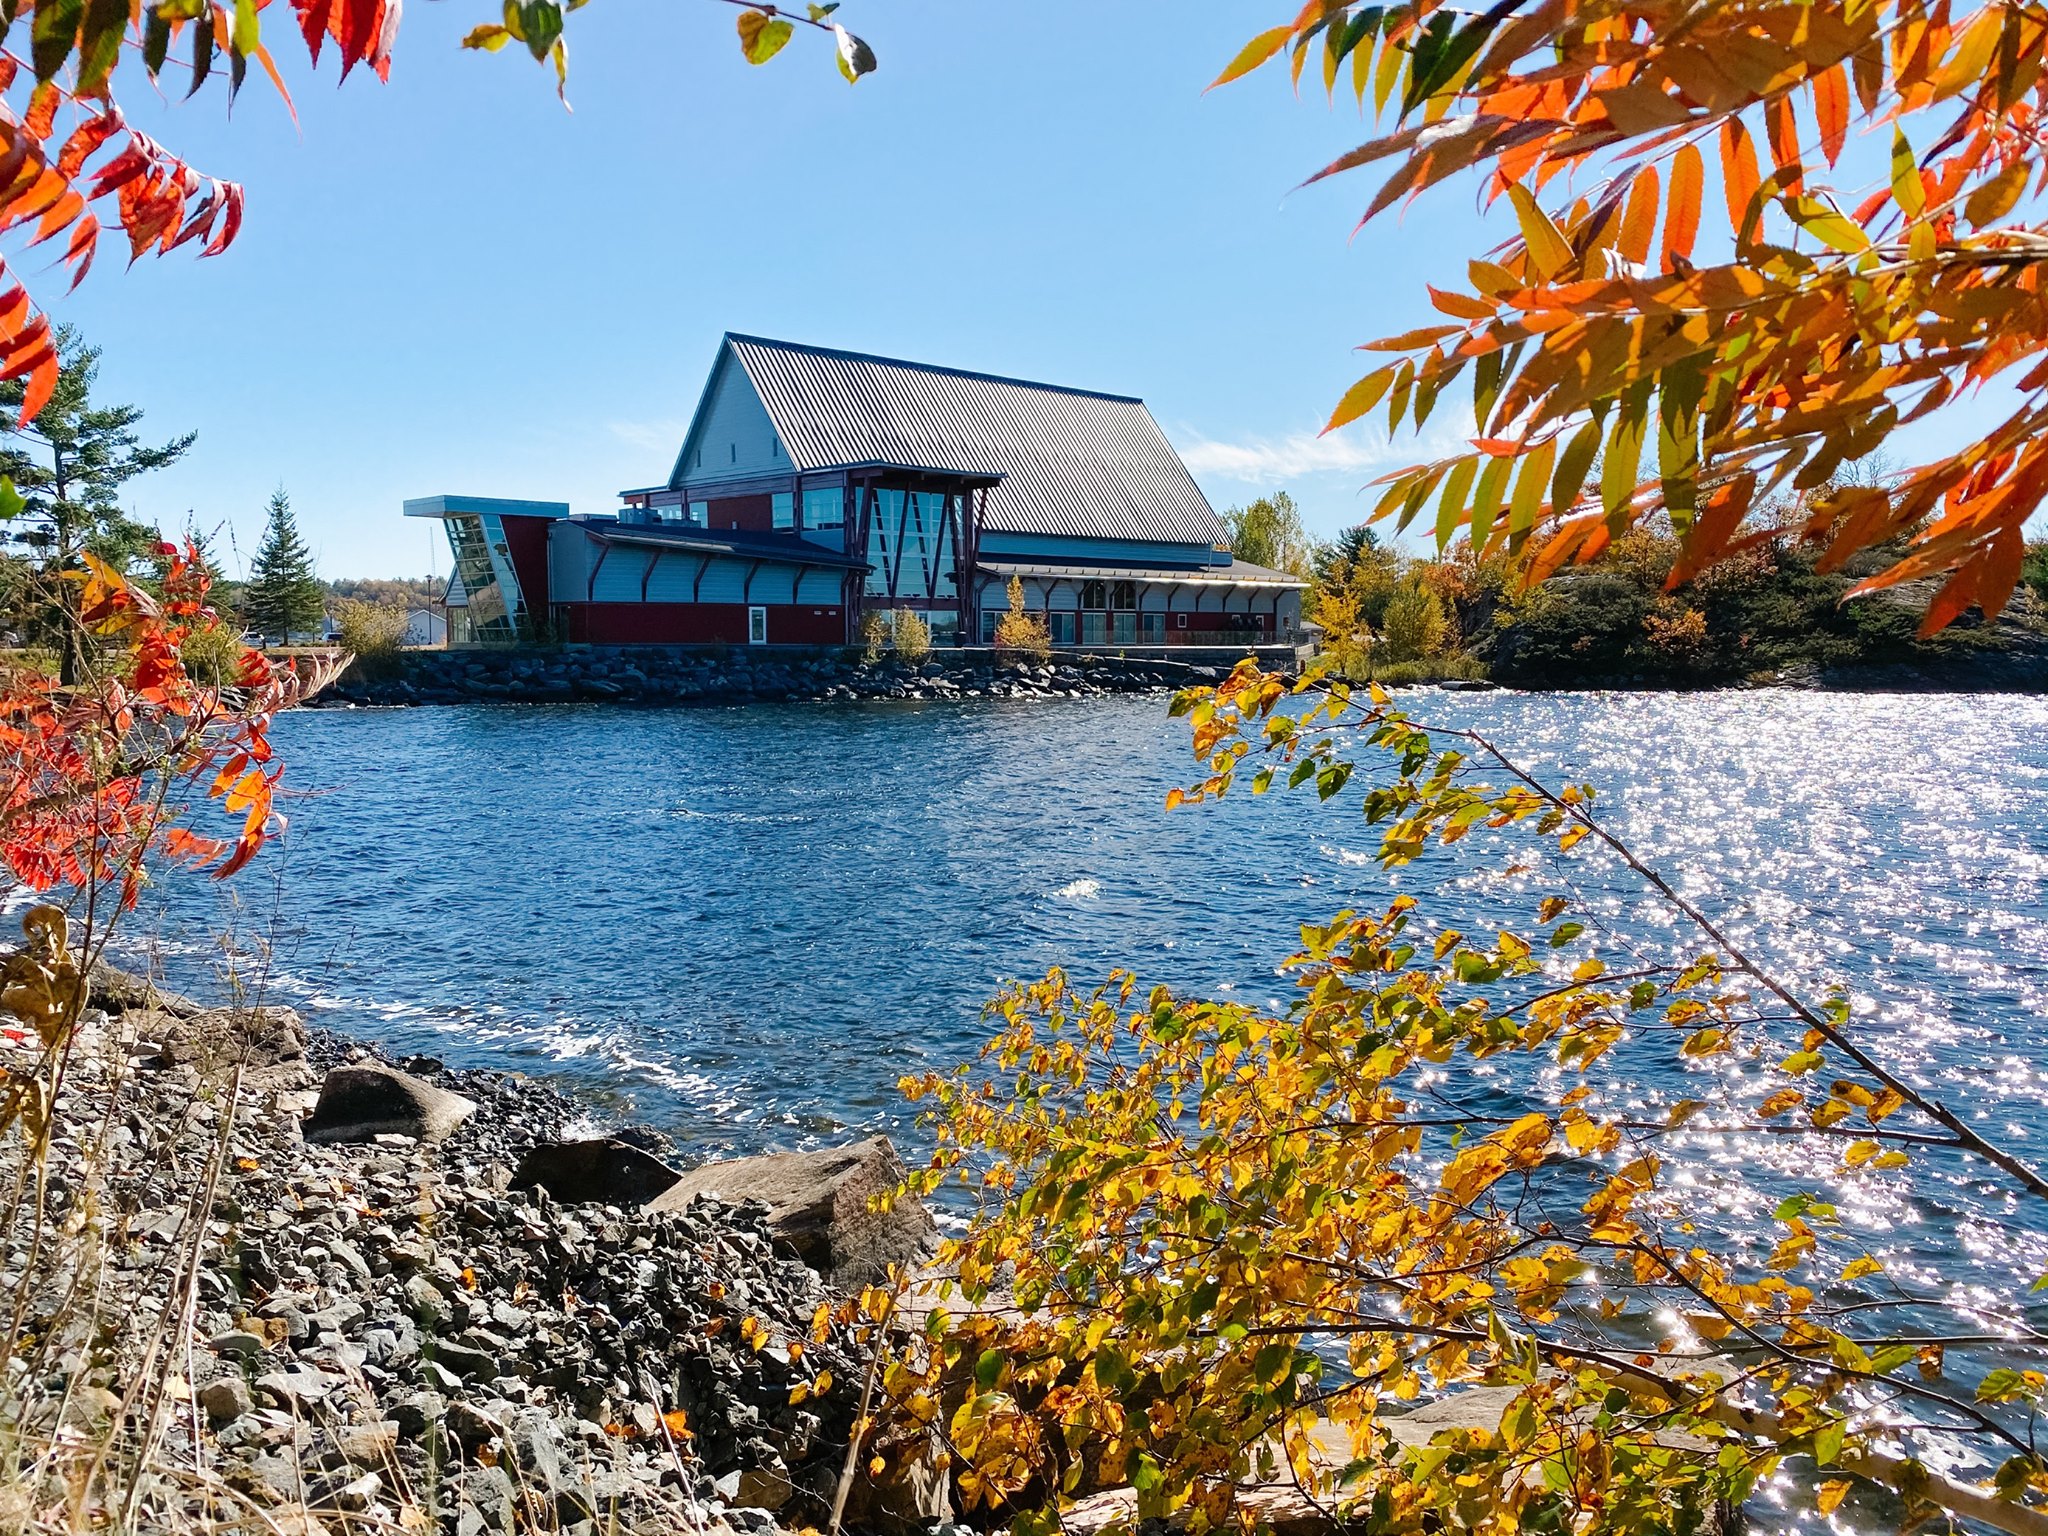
120, 991
606, 1171
818, 1206
363, 1102
215, 1039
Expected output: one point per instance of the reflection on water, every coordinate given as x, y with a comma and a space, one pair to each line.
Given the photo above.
745, 924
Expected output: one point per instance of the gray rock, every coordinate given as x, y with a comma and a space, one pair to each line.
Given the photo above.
238, 1344
120, 991
361, 1102
465, 1361
818, 1206
227, 1399
299, 1388
216, 1039
601, 1172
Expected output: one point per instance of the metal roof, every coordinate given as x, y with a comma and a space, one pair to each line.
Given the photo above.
1073, 462
1239, 573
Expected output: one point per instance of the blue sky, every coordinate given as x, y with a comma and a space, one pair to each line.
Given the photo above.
449, 284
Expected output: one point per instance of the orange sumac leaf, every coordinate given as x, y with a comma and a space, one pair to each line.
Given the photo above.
1639, 221
1831, 109
1740, 176
1682, 215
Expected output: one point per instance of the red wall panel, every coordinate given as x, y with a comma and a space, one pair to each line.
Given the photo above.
748, 512
699, 624
527, 539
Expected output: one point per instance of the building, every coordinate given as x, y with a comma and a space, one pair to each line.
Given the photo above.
815, 486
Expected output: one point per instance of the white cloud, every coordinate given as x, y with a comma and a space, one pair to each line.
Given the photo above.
654, 436
1265, 460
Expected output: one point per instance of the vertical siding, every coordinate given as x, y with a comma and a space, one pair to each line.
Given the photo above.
733, 432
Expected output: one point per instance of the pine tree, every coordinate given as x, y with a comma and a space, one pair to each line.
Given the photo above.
283, 596
67, 469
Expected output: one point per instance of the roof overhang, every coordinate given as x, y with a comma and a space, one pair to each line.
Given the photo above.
459, 506
1210, 576
689, 541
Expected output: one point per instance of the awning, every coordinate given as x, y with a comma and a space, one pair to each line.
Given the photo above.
1236, 575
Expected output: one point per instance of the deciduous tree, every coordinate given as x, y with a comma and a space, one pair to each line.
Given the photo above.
1269, 532
1712, 369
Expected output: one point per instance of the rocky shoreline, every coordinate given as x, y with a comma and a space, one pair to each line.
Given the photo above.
358, 1294
657, 675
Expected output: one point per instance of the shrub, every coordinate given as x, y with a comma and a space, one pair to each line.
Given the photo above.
372, 634
1020, 631
913, 636
212, 653
2034, 569
874, 634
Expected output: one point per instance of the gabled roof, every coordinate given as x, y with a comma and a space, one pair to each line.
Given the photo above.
1072, 462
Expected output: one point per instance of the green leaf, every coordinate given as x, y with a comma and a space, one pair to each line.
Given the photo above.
105, 26
988, 1369
247, 32
53, 31
1451, 509
156, 41
1828, 1440
1572, 467
1486, 501
11, 503
1564, 933
202, 53
820, 12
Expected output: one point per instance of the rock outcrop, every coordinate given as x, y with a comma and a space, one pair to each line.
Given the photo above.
819, 1206
363, 1103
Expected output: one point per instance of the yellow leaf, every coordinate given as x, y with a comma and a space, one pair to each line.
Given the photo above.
1548, 247
1831, 1494
1995, 199
1858, 1268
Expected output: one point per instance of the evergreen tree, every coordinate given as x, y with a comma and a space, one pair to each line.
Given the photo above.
283, 597
67, 467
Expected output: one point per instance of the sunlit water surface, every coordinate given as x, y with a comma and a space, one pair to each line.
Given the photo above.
744, 925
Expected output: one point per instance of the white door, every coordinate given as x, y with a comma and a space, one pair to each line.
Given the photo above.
757, 626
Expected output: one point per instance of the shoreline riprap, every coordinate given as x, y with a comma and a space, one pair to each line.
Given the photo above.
250, 1329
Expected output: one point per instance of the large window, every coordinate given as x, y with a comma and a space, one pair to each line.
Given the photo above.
483, 563
1094, 628
1124, 595
825, 507
1062, 628
782, 509
911, 546
1095, 594
1152, 626
1124, 628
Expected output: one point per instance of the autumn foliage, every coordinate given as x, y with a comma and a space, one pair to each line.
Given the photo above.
1219, 1250
100, 781
1692, 301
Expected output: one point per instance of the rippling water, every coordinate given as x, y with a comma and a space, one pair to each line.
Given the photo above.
743, 925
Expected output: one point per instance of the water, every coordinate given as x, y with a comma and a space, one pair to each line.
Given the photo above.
743, 925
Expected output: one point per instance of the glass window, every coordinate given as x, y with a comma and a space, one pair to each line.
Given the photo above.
825, 508
1153, 627
1062, 629
945, 626
1125, 595
1095, 629
699, 515
1095, 594
757, 626
1124, 628
494, 612
989, 621
783, 509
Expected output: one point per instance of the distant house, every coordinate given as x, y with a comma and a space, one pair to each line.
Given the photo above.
815, 485
425, 626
